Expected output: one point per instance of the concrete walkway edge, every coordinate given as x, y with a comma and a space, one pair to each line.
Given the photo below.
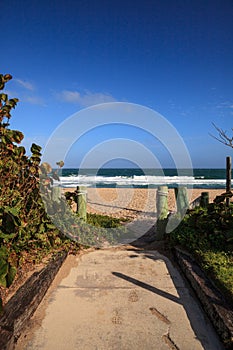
213, 302
25, 301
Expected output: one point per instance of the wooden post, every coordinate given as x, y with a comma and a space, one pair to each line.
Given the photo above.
182, 201
162, 211
161, 202
228, 178
204, 199
82, 202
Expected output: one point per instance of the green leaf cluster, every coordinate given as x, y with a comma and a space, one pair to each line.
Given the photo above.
104, 221
207, 233
206, 228
7, 268
24, 223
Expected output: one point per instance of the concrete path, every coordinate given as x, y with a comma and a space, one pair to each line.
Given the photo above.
119, 299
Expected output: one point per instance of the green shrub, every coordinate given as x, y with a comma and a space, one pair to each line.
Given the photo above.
219, 266
104, 221
207, 233
24, 224
205, 228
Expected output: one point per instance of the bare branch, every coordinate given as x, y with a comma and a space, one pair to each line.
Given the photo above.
222, 137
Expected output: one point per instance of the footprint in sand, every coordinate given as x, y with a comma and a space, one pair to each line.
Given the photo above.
133, 296
116, 319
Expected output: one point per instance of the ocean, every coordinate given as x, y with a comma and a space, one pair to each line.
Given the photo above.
146, 178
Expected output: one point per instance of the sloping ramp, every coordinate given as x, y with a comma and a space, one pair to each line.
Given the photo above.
119, 299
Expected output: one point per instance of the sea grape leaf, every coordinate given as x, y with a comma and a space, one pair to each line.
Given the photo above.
17, 136
3, 281
7, 77
7, 236
3, 272
50, 226
11, 275
41, 228
3, 253
13, 211
12, 102
60, 164
21, 150
3, 267
4, 97
45, 168
35, 148
35, 157
10, 219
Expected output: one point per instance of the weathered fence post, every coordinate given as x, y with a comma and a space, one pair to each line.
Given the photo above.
162, 211
81, 202
162, 206
204, 199
182, 201
228, 179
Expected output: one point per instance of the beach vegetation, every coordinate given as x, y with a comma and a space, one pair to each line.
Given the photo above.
105, 221
207, 233
25, 228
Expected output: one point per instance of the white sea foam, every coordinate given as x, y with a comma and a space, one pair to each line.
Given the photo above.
73, 181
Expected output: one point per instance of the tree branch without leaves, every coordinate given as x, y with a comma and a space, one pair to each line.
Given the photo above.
222, 137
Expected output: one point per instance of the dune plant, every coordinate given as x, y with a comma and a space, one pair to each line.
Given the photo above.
24, 224
203, 228
207, 233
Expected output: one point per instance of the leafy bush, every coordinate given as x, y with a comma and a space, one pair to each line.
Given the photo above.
206, 228
24, 224
219, 267
207, 233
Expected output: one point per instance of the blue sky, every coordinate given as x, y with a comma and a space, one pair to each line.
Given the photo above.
174, 57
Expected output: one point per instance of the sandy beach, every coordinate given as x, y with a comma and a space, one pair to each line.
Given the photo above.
133, 202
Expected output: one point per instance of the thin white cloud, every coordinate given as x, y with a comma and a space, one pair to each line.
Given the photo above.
25, 84
34, 100
86, 99
225, 104
27, 95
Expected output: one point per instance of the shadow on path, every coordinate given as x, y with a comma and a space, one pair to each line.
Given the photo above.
149, 251
147, 287
150, 213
